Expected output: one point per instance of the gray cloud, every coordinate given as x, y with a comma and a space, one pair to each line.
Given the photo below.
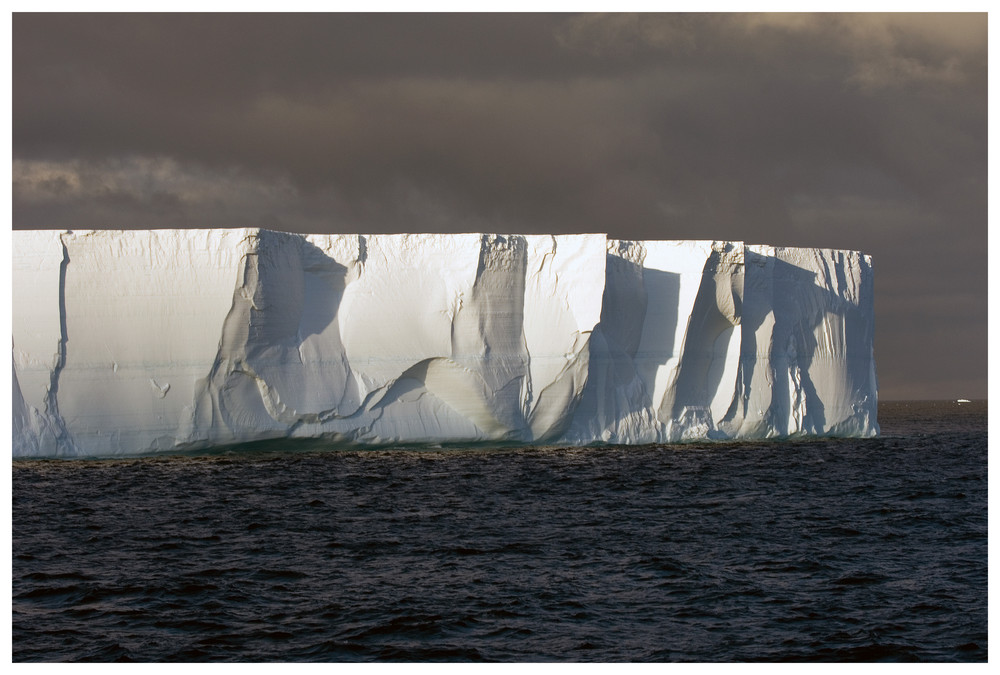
851, 131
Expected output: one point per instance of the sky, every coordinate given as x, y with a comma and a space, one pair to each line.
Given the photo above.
853, 131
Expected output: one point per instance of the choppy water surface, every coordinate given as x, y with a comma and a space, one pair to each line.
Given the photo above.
819, 550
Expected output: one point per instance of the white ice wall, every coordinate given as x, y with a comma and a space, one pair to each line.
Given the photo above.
142, 341
38, 344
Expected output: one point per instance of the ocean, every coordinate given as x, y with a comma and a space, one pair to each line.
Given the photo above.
808, 550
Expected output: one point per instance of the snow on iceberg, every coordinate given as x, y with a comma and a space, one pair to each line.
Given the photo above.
133, 342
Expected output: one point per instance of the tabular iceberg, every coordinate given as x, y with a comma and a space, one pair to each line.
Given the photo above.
134, 342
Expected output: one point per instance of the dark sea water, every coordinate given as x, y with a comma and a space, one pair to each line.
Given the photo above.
823, 550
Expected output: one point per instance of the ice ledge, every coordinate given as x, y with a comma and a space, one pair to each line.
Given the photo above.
131, 342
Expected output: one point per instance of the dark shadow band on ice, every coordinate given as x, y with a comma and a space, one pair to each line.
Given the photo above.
130, 343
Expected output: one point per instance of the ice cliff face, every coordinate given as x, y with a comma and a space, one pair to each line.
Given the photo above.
130, 342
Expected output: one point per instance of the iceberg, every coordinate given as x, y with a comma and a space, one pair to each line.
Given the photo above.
138, 342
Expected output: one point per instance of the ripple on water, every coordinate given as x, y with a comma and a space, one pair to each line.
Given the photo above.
819, 550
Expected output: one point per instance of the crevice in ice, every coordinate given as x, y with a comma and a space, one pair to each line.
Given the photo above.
527, 391
362, 251
714, 320
488, 332
51, 422
52, 396
752, 390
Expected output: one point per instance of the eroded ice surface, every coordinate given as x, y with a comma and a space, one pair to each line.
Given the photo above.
129, 342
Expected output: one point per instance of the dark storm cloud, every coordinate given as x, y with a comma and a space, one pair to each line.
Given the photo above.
847, 131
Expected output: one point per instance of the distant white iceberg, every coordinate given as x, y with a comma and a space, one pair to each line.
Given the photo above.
132, 342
